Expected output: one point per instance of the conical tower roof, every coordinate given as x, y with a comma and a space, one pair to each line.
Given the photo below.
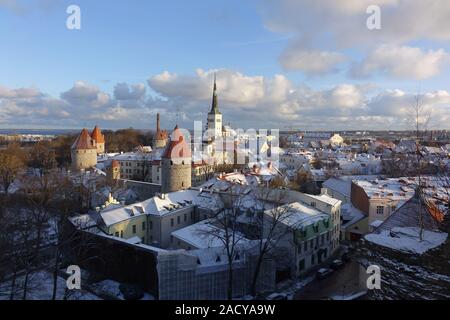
177, 146
83, 141
97, 135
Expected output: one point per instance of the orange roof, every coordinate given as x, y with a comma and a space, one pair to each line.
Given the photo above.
84, 141
177, 147
115, 163
97, 135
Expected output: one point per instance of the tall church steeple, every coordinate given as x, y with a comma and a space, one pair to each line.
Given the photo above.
214, 116
215, 103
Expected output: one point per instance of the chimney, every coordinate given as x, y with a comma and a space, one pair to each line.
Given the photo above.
157, 122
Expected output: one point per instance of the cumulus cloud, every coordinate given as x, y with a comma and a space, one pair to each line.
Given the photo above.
83, 93
278, 103
402, 62
122, 91
335, 25
311, 62
245, 101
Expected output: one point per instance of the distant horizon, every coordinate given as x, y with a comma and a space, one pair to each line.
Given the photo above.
75, 130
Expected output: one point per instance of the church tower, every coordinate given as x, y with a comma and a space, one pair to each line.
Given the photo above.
214, 116
176, 164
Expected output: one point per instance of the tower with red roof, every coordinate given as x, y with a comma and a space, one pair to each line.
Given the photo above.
176, 163
84, 152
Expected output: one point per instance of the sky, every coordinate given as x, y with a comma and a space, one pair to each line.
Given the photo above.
306, 64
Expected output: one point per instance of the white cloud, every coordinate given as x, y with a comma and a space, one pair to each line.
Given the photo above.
335, 25
122, 91
245, 101
402, 62
311, 62
83, 93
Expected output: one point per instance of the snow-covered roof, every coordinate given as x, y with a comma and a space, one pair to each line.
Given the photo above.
407, 239
158, 205
298, 215
392, 188
351, 215
376, 223
200, 235
338, 185
326, 199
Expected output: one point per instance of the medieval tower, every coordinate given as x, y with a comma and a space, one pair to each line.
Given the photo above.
84, 152
99, 140
176, 164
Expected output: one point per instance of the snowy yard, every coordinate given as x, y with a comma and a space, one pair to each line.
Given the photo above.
40, 287
408, 240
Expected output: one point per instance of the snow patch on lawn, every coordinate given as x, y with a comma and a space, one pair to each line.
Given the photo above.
408, 239
40, 287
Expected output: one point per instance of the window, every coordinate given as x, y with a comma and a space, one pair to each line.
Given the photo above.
143, 225
380, 210
301, 265
185, 217
171, 222
313, 204
313, 259
306, 246
151, 225
178, 220
117, 234
134, 229
171, 239
121, 233
299, 249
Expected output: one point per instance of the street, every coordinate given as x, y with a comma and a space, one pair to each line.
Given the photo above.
343, 282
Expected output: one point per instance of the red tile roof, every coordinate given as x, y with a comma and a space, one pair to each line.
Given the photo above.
177, 147
97, 135
84, 141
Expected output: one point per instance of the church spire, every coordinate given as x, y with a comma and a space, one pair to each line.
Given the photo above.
215, 104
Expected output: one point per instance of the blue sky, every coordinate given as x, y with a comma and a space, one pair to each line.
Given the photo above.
310, 65
131, 40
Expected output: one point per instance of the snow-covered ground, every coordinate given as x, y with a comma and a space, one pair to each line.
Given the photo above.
40, 287
408, 240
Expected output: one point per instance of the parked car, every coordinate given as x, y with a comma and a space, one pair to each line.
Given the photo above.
323, 273
277, 296
337, 264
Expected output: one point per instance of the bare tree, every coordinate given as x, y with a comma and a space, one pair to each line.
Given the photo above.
267, 226
12, 161
419, 120
226, 230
